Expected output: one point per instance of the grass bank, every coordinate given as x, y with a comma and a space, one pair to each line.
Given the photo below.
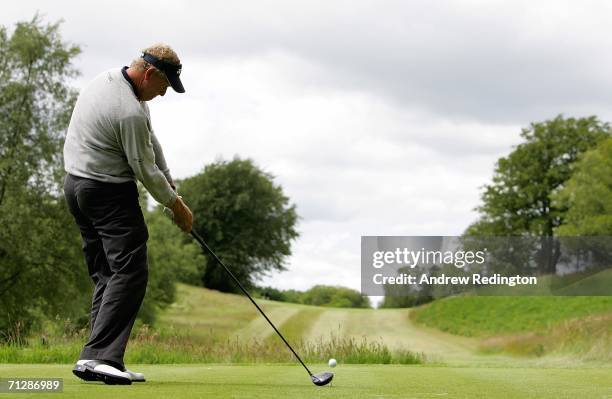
580, 327
479, 316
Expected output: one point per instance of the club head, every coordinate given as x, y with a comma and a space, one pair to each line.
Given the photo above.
322, 378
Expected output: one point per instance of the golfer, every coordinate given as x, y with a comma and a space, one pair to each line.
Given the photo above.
109, 145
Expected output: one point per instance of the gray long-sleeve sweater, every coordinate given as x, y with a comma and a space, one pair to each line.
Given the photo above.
110, 138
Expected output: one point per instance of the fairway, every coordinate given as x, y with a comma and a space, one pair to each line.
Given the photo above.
396, 330
352, 381
200, 311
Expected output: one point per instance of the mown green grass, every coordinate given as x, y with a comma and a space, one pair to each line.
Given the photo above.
296, 327
476, 316
359, 381
210, 313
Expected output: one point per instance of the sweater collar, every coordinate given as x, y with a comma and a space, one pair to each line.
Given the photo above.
127, 77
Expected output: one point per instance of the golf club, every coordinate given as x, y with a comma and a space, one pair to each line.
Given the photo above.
319, 379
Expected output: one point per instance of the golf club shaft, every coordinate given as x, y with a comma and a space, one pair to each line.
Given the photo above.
207, 248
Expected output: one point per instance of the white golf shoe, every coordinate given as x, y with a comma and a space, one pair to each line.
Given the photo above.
96, 370
135, 377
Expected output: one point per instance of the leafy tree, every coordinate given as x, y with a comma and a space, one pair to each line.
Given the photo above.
519, 200
293, 296
41, 267
335, 296
588, 195
407, 301
271, 293
170, 260
319, 295
245, 218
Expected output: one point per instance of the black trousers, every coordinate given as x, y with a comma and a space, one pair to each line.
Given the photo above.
115, 246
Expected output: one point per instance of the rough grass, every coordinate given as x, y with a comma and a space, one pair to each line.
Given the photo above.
587, 339
154, 347
476, 316
175, 348
580, 327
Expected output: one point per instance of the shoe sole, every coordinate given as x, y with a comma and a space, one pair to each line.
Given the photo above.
87, 374
83, 373
112, 380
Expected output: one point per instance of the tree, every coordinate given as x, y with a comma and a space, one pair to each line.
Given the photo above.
244, 217
408, 301
588, 195
171, 260
41, 267
335, 296
319, 295
519, 200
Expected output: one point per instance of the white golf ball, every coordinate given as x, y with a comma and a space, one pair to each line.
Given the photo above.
332, 363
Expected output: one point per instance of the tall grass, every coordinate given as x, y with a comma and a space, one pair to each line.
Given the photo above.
587, 338
173, 346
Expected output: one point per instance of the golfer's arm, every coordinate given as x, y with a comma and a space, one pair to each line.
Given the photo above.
138, 148
160, 160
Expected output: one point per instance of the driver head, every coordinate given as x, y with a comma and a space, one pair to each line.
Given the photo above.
322, 378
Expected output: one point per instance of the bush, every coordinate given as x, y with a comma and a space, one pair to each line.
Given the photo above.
335, 296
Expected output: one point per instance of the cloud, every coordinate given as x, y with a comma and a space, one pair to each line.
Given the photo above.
501, 62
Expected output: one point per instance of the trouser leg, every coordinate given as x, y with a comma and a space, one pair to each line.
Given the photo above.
99, 271
93, 250
117, 260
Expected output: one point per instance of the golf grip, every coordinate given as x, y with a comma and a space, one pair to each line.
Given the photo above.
203, 244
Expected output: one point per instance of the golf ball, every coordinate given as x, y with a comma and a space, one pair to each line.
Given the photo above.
332, 363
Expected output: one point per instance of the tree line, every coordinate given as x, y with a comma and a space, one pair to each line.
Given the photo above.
319, 295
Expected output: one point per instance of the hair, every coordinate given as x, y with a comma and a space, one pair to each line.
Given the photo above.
159, 50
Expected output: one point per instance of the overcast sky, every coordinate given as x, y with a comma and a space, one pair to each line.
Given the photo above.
376, 117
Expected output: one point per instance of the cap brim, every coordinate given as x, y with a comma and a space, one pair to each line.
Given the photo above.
176, 83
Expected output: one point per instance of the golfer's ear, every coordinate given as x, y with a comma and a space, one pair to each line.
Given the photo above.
148, 73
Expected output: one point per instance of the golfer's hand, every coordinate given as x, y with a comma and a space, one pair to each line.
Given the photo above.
183, 217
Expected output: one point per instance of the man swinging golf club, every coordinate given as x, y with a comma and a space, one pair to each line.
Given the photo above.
110, 143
